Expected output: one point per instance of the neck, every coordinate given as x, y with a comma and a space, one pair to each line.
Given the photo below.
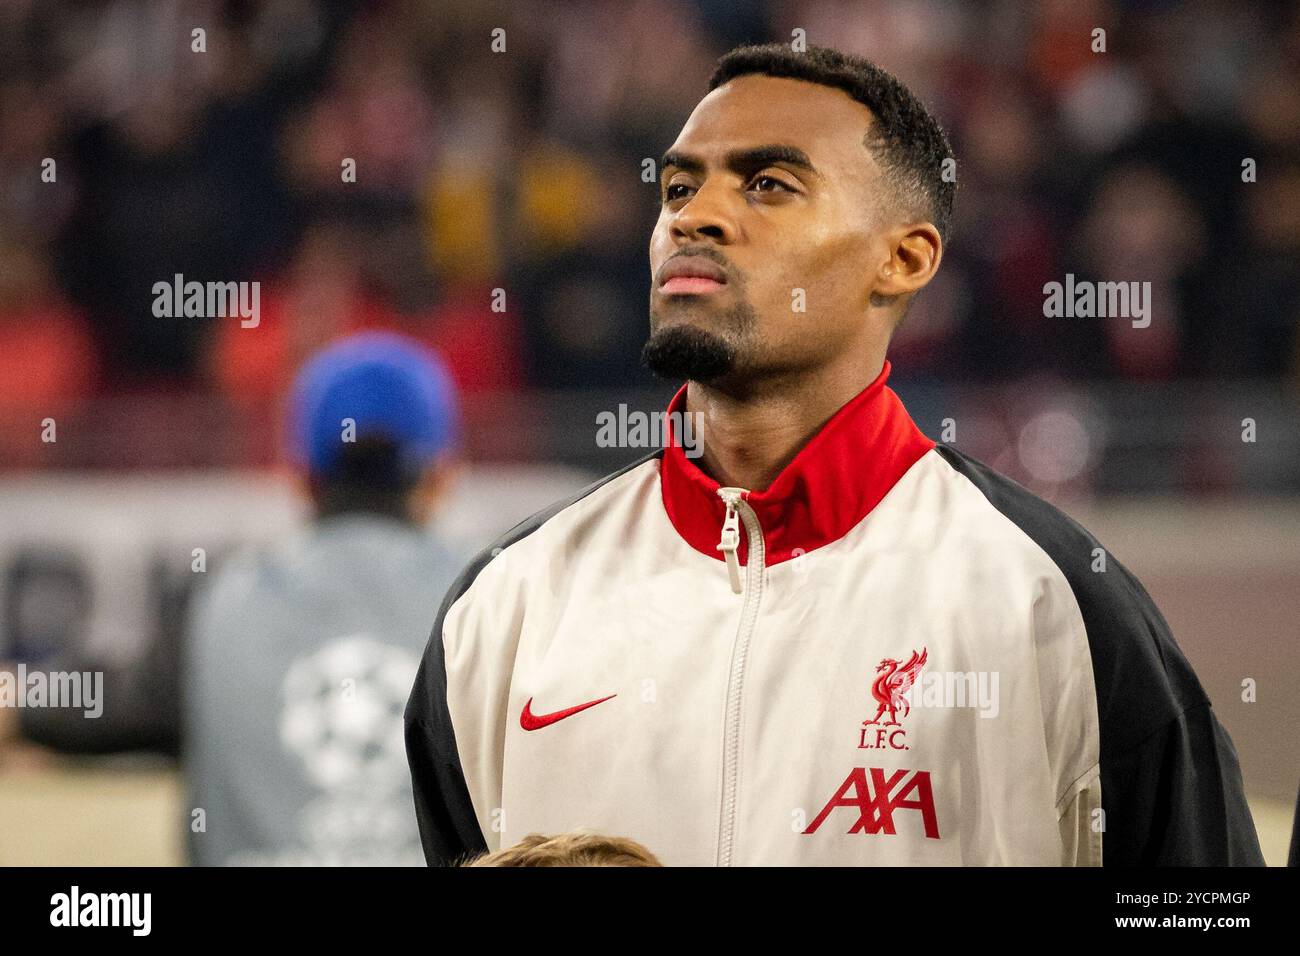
335, 502
748, 438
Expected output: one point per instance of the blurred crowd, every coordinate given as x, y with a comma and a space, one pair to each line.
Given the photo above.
521, 169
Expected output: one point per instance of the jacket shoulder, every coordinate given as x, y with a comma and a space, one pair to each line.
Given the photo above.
533, 523
1143, 681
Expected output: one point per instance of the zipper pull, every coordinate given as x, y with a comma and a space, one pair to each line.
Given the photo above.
731, 535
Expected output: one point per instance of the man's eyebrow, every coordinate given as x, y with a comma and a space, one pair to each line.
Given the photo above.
751, 158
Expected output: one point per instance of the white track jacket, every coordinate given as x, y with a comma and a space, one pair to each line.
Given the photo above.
890, 656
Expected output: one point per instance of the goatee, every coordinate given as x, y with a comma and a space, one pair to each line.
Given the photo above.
686, 352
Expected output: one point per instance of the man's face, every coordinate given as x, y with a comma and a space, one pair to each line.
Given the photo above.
769, 201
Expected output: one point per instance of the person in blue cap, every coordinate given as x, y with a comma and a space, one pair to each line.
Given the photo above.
300, 657
374, 427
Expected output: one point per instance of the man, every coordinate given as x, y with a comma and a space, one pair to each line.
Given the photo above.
300, 658
828, 640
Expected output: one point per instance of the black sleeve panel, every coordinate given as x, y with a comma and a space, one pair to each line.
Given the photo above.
1171, 786
449, 828
1177, 799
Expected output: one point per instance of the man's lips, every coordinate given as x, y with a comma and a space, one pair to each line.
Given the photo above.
690, 285
691, 275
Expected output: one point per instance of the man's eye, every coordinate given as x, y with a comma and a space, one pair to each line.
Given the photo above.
773, 180
762, 183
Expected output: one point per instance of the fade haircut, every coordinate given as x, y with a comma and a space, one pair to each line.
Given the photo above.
905, 139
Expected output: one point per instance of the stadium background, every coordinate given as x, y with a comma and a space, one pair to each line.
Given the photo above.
521, 170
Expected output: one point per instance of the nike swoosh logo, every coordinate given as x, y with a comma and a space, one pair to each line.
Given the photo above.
530, 721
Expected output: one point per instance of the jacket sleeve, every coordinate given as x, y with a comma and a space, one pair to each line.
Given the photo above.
1178, 799
449, 829
1171, 786
466, 670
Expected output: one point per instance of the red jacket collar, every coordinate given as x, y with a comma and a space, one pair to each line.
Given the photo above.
830, 485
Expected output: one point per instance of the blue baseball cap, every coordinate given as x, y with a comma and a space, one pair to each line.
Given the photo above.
389, 385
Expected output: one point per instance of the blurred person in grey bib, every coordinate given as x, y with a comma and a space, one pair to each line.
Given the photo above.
300, 656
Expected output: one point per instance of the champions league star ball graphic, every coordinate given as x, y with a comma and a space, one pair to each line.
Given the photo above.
342, 713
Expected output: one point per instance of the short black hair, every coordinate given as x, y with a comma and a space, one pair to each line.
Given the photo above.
907, 141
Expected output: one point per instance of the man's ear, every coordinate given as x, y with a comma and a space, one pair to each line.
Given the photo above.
309, 487
436, 482
914, 253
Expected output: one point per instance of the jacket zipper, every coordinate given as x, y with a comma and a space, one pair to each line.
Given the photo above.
738, 510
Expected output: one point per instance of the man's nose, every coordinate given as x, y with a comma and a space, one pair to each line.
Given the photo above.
707, 214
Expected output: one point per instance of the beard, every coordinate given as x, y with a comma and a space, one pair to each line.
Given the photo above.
685, 352
697, 355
